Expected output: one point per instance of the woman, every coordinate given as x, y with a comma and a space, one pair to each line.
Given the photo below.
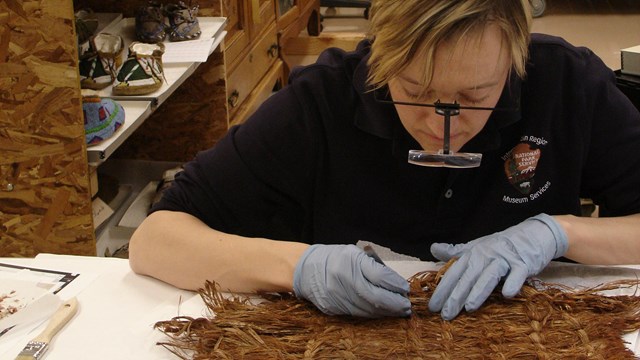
323, 163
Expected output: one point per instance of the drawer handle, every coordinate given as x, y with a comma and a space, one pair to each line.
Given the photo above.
233, 99
273, 51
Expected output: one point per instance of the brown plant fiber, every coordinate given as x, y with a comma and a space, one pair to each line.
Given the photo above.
546, 321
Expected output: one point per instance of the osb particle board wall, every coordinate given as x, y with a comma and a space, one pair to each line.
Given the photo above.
45, 203
195, 115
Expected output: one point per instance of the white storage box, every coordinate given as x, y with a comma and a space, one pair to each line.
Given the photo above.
630, 60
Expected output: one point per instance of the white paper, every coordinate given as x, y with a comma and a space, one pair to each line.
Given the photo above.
37, 310
14, 329
101, 212
187, 51
139, 208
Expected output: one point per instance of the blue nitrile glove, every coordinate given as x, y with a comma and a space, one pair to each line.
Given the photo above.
343, 280
516, 253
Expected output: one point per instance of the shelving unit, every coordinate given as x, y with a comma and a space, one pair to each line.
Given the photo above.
175, 72
138, 108
180, 61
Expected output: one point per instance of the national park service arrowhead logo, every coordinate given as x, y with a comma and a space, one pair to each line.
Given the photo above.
520, 167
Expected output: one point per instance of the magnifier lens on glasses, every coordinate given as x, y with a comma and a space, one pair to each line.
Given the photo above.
445, 157
441, 159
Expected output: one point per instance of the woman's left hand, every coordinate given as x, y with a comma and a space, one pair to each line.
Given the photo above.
515, 254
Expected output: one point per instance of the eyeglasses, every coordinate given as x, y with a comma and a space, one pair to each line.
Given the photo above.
444, 157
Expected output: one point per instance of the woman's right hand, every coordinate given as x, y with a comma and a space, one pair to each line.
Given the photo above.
343, 280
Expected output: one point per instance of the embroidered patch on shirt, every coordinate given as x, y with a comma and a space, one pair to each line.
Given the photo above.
520, 167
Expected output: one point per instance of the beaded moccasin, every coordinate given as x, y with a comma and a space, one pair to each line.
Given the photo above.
150, 24
86, 24
142, 72
99, 63
183, 23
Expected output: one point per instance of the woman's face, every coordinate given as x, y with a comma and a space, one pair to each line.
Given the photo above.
471, 71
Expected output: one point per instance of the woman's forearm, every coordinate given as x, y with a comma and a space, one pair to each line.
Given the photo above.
179, 249
602, 241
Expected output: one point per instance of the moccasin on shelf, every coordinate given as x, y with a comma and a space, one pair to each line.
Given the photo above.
86, 24
142, 72
102, 118
183, 23
100, 62
150, 25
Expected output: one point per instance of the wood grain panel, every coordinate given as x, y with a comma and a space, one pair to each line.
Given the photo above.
45, 203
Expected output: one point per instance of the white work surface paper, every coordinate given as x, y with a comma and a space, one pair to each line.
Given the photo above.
116, 313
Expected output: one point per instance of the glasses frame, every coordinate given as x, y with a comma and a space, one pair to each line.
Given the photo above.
447, 110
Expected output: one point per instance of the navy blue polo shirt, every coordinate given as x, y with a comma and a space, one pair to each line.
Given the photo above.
321, 161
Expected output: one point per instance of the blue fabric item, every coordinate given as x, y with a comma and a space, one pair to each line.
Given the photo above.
343, 280
102, 117
514, 254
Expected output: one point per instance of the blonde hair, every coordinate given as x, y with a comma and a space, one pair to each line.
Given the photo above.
403, 29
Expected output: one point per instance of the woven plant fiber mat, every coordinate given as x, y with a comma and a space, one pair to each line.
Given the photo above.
546, 321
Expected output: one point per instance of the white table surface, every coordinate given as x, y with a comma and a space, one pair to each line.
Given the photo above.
118, 308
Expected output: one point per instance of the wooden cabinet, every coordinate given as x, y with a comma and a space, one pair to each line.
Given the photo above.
252, 64
294, 16
45, 197
258, 31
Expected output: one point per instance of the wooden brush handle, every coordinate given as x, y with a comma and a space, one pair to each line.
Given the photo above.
58, 320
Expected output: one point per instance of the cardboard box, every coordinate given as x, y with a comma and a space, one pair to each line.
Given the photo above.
630, 60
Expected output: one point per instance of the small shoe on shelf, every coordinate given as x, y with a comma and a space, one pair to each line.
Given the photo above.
99, 63
102, 118
183, 21
150, 24
86, 24
142, 72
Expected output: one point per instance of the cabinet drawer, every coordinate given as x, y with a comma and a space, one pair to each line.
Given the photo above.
247, 20
251, 69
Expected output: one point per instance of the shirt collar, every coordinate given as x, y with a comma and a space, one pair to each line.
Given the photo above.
372, 116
